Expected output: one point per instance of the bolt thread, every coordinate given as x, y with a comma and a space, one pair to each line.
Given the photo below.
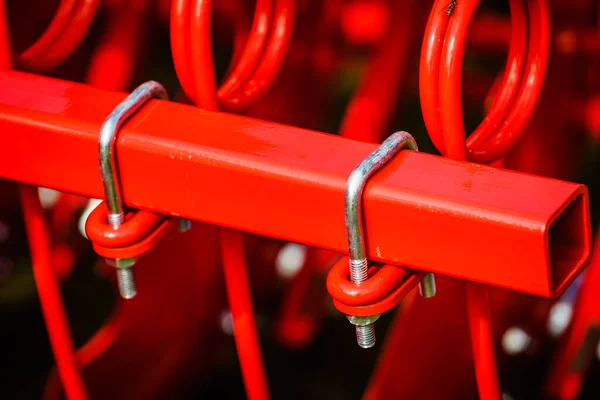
126, 282
427, 287
359, 270
184, 225
116, 219
365, 336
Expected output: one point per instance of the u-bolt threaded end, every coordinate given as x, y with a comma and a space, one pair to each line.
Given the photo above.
365, 336
115, 220
126, 283
359, 270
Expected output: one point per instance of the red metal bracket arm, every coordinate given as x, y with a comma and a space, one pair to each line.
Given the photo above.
460, 219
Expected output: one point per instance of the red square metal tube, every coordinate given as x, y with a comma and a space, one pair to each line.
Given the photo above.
421, 211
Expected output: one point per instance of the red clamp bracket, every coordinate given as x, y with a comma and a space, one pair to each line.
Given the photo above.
140, 232
363, 293
385, 287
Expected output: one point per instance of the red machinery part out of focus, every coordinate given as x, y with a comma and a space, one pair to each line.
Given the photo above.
574, 359
62, 37
50, 296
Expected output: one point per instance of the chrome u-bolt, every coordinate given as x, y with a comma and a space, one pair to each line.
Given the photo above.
110, 176
357, 253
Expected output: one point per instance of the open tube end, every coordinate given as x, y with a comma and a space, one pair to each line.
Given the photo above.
569, 241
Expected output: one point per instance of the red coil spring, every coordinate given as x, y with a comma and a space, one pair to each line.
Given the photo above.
62, 37
441, 72
257, 67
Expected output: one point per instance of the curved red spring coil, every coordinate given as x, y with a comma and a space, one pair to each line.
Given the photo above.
257, 67
63, 36
441, 73
50, 296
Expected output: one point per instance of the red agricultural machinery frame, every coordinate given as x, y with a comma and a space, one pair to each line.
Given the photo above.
526, 233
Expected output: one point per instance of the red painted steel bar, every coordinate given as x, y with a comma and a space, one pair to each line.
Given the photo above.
282, 182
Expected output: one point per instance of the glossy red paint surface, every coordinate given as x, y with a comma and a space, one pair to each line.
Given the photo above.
386, 303
260, 169
384, 289
382, 279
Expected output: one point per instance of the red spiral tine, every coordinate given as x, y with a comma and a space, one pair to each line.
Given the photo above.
73, 34
270, 64
179, 26
65, 33
512, 78
61, 18
429, 77
507, 119
201, 55
257, 67
537, 59
450, 78
429, 72
50, 297
5, 47
240, 303
250, 57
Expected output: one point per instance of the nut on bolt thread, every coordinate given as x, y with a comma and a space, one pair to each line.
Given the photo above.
126, 283
365, 329
365, 334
